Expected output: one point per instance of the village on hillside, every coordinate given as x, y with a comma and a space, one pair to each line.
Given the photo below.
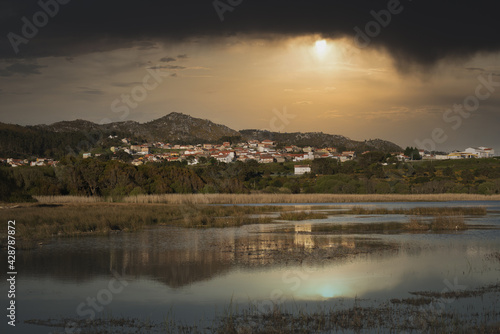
265, 151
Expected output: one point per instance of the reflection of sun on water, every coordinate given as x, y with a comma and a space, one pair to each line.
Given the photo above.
327, 291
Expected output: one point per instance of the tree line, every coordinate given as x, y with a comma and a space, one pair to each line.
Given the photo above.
367, 174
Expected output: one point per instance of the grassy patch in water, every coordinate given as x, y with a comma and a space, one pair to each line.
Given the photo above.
447, 223
420, 211
302, 215
204, 221
35, 223
439, 223
358, 227
459, 292
412, 301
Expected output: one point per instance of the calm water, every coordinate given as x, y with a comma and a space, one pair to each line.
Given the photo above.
193, 274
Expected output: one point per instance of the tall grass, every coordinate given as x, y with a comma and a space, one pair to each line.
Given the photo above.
438, 223
270, 198
446, 223
359, 227
417, 225
69, 199
41, 221
302, 215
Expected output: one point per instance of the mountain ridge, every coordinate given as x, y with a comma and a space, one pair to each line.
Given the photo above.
174, 127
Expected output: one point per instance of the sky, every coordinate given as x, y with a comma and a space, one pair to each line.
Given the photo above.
418, 73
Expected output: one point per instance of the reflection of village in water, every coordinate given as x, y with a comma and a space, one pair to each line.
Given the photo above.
179, 257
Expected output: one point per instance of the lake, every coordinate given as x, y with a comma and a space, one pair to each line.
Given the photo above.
193, 276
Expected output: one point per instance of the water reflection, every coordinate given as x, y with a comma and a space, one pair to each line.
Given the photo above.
180, 257
194, 271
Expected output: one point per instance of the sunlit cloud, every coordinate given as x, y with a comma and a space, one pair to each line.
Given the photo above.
356, 93
330, 114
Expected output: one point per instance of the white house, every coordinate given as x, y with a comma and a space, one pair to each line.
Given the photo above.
473, 152
455, 155
481, 152
302, 169
304, 156
225, 156
267, 142
135, 148
193, 161
402, 157
347, 155
137, 162
266, 159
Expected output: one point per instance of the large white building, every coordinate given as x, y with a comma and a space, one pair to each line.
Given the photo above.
473, 152
481, 152
302, 169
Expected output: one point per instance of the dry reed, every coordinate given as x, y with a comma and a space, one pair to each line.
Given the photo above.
302, 215
42, 221
417, 225
271, 198
69, 199
438, 223
442, 223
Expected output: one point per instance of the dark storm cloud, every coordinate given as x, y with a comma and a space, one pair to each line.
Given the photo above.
21, 69
125, 84
479, 69
147, 45
482, 70
423, 32
167, 59
91, 91
168, 67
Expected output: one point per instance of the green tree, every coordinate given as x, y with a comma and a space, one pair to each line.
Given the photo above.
467, 176
413, 153
326, 166
448, 172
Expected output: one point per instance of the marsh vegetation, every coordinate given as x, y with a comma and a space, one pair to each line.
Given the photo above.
38, 222
267, 198
189, 245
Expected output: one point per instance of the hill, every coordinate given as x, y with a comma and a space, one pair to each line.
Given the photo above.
176, 127
58, 139
320, 139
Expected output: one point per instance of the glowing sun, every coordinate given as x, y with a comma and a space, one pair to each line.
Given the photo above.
321, 48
